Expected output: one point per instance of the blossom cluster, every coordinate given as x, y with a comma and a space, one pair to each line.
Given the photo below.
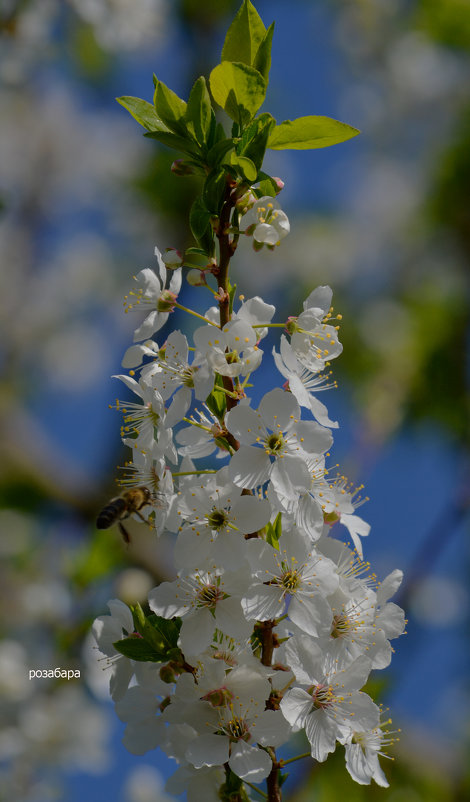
279, 621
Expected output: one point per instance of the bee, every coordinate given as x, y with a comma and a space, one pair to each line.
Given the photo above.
122, 507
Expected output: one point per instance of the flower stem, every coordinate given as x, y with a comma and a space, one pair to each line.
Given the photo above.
196, 314
291, 759
258, 790
192, 473
226, 250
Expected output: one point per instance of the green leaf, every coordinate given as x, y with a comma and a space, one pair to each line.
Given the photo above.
245, 166
217, 153
176, 142
199, 219
167, 629
239, 89
262, 61
143, 112
217, 400
199, 111
310, 132
254, 141
274, 531
267, 186
214, 190
138, 616
244, 35
195, 251
139, 649
171, 109
147, 631
159, 633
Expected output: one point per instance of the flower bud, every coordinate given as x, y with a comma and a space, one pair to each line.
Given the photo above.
196, 278
218, 697
167, 674
180, 167
172, 258
279, 184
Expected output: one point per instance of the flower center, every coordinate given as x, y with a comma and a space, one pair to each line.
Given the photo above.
217, 519
208, 596
340, 626
323, 696
237, 729
290, 581
231, 357
274, 443
187, 377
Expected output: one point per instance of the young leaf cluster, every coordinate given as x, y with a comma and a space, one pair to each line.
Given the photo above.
229, 164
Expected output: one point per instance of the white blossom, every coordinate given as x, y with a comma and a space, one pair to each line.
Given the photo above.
231, 351
153, 296
274, 444
206, 601
331, 700
303, 383
216, 516
363, 748
254, 554
293, 580
107, 629
266, 221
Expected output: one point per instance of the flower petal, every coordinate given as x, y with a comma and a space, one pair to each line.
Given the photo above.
250, 762
249, 467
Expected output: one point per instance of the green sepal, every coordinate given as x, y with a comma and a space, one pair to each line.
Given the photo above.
198, 113
274, 532
254, 141
244, 35
136, 648
306, 133
214, 190
267, 186
282, 778
176, 142
233, 789
171, 109
142, 111
217, 400
238, 88
262, 61
232, 288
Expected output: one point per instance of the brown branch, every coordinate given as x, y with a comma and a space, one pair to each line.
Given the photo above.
272, 781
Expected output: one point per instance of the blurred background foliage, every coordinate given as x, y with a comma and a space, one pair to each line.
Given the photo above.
383, 219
